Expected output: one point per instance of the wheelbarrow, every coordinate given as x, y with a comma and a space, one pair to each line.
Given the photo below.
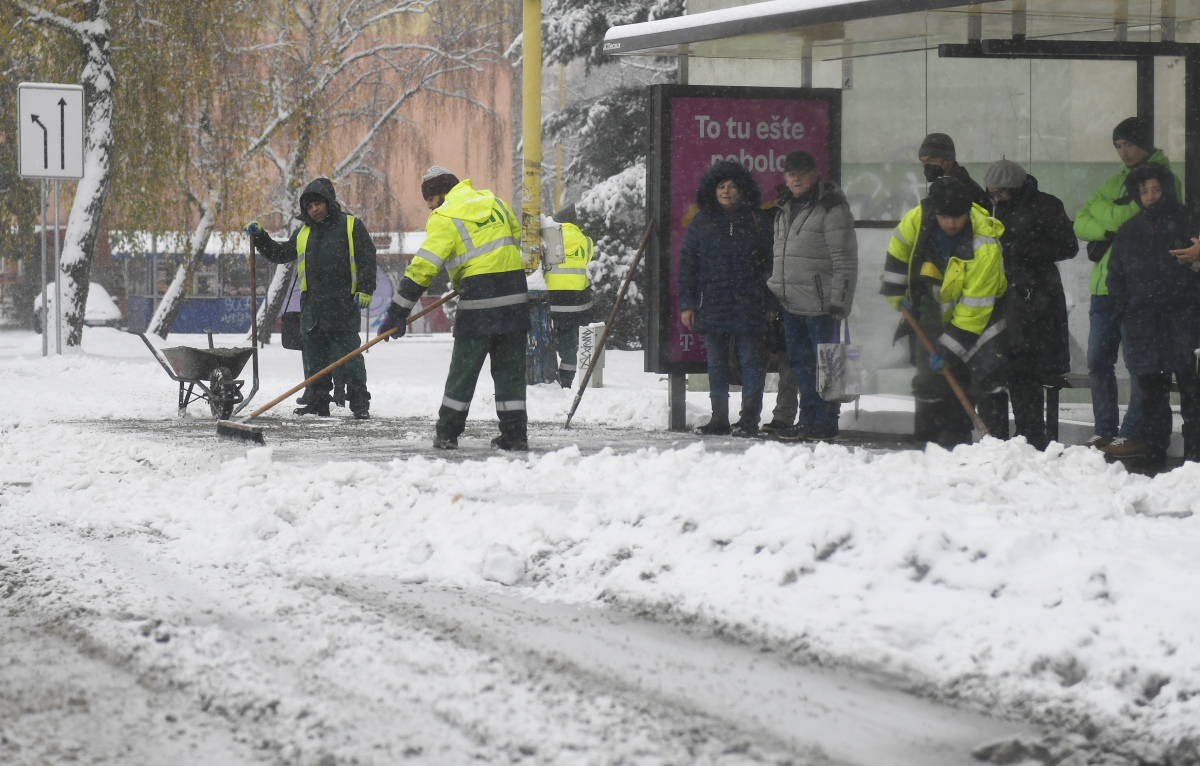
207, 374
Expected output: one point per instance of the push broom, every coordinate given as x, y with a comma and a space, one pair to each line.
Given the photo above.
244, 430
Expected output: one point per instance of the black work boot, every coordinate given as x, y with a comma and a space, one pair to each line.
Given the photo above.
718, 424
442, 441
320, 409
566, 378
512, 442
747, 425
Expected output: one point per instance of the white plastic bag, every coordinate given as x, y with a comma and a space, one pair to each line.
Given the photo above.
839, 369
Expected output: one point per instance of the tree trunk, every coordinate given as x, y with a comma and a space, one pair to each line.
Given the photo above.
83, 224
281, 283
172, 301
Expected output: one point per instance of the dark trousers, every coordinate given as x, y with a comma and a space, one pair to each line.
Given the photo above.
507, 352
1155, 425
568, 347
803, 333
754, 372
1104, 342
940, 416
1029, 406
322, 349
787, 399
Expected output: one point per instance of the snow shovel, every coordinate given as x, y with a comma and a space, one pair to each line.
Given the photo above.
608, 325
962, 395
244, 430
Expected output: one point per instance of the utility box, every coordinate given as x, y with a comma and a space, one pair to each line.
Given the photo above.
554, 251
589, 339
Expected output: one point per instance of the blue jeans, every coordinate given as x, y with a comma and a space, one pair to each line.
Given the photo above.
750, 357
802, 335
1104, 342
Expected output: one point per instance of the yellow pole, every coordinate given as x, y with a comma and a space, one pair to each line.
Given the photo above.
531, 134
558, 148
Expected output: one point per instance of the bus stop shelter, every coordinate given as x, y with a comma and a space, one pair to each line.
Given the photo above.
1150, 49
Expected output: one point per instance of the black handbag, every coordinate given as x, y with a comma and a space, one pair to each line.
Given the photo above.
289, 330
289, 326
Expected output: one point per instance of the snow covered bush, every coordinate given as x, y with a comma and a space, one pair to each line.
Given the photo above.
611, 135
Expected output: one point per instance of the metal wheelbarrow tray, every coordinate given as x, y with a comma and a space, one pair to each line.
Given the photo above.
211, 370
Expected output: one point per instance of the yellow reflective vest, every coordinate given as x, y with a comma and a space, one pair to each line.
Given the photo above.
476, 238
968, 290
302, 245
571, 274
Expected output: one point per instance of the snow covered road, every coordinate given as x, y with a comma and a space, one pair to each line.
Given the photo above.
296, 604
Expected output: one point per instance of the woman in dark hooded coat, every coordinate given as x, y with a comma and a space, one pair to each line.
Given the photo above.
724, 264
1157, 298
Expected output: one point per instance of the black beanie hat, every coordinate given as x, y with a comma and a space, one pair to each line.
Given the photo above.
800, 162
1136, 131
949, 196
937, 145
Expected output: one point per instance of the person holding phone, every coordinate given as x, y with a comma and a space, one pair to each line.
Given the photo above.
1154, 282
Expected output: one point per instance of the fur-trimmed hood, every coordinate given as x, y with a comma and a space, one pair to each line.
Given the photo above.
706, 193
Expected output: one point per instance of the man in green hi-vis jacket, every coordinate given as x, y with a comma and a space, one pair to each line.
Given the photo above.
1097, 223
336, 270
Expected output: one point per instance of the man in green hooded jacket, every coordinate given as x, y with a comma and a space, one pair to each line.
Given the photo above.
336, 270
1096, 223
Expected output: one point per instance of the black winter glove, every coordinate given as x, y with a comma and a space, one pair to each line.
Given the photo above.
1097, 249
837, 312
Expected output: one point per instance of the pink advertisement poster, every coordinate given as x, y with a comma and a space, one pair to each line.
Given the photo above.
759, 133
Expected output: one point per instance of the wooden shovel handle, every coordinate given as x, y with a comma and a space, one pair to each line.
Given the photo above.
348, 357
957, 389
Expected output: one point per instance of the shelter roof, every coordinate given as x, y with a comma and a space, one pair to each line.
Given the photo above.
837, 29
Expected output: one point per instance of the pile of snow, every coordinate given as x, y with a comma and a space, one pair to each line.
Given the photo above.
1050, 584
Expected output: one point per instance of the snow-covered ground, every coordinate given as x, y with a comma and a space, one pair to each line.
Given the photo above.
1050, 587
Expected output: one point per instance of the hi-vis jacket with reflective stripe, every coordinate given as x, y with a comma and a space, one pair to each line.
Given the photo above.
336, 258
969, 289
477, 239
570, 291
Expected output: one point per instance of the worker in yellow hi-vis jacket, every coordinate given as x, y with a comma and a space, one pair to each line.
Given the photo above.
476, 237
570, 294
944, 264
335, 265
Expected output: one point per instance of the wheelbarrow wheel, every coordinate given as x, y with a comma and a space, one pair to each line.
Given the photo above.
222, 393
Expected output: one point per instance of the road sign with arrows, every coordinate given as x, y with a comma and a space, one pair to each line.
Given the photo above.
50, 130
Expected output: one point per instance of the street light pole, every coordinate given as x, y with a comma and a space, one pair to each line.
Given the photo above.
540, 353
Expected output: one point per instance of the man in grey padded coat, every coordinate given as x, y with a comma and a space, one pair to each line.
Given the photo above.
813, 278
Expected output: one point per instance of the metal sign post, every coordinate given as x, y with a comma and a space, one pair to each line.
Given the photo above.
50, 146
57, 277
45, 297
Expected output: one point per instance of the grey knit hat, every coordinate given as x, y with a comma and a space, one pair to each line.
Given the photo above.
937, 145
437, 180
1004, 174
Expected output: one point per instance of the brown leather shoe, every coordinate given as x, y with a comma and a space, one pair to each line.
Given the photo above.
1121, 447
